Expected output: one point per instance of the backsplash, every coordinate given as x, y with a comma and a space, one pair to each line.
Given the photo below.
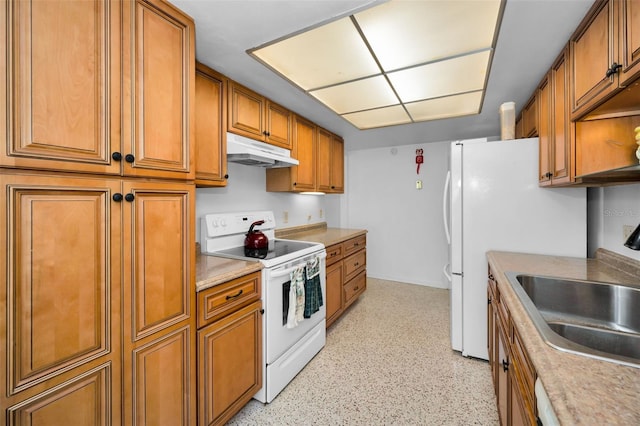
245, 190
609, 210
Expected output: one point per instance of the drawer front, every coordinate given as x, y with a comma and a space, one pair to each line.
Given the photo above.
354, 288
334, 254
222, 299
354, 264
354, 244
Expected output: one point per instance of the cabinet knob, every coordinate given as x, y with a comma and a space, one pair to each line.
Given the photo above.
226, 176
117, 197
505, 365
116, 156
129, 158
489, 301
129, 197
295, 183
613, 69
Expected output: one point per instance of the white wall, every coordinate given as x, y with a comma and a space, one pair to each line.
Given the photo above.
405, 240
245, 190
610, 208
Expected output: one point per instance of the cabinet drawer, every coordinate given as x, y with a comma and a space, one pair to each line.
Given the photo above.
354, 288
354, 264
354, 244
334, 254
222, 299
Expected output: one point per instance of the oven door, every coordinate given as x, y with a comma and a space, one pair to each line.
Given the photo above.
276, 284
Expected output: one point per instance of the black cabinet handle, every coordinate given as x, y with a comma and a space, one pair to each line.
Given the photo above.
226, 176
613, 69
129, 197
116, 156
117, 197
491, 277
235, 295
129, 158
262, 311
489, 301
295, 183
505, 365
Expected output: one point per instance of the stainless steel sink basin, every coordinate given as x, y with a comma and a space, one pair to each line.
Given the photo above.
590, 318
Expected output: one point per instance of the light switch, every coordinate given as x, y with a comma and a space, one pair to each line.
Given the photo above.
418, 184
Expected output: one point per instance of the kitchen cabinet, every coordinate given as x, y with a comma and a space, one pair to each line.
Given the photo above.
512, 371
556, 131
302, 177
254, 116
346, 275
98, 172
519, 127
210, 127
604, 53
530, 117
330, 163
229, 348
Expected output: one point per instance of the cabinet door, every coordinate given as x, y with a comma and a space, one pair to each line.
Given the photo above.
334, 292
544, 131
530, 118
491, 332
629, 40
592, 52
337, 165
323, 161
502, 388
229, 364
159, 140
278, 125
210, 122
62, 288
61, 114
562, 126
159, 315
246, 112
304, 150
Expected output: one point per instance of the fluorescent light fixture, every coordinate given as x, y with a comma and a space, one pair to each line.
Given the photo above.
396, 63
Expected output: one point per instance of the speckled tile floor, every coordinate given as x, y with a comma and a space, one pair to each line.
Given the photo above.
387, 361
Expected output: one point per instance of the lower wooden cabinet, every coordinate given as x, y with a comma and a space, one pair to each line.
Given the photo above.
229, 348
512, 371
346, 275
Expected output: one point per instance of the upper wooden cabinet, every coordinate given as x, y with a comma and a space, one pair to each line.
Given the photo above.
555, 128
336, 165
62, 114
254, 116
530, 117
605, 54
302, 177
210, 124
118, 102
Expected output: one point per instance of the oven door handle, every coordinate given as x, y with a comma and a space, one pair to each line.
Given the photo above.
279, 273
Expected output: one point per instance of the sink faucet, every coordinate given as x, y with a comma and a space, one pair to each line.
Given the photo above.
633, 242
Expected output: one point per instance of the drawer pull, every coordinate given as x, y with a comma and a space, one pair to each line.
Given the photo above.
356, 264
356, 289
505, 365
235, 295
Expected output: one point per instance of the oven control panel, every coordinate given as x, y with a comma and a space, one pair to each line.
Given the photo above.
222, 224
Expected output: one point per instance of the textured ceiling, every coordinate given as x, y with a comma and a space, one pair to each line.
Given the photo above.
532, 34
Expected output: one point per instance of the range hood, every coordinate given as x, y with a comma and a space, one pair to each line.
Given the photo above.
253, 153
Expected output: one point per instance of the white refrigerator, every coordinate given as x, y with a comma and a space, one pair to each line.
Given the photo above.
492, 201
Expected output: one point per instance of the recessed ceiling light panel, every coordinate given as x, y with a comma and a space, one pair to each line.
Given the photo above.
447, 107
388, 116
358, 95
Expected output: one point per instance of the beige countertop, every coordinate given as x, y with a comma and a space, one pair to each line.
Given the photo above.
320, 234
582, 390
214, 270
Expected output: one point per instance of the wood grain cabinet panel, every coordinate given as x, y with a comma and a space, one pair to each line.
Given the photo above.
337, 165
230, 364
278, 125
210, 123
64, 114
530, 117
246, 111
161, 388
335, 302
162, 64
86, 400
562, 129
629, 40
323, 160
219, 300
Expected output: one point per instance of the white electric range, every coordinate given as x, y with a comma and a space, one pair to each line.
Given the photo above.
286, 351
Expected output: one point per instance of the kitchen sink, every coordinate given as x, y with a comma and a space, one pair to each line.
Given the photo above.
590, 318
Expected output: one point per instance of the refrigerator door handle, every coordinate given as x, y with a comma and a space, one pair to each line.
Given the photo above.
446, 271
445, 211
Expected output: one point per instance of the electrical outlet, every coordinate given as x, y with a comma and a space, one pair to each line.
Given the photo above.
626, 231
285, 217
320, 214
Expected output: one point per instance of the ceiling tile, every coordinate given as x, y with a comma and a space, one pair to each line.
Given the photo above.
452, 76
446, 107
326, 55
405, 33
388, 116
358, 95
